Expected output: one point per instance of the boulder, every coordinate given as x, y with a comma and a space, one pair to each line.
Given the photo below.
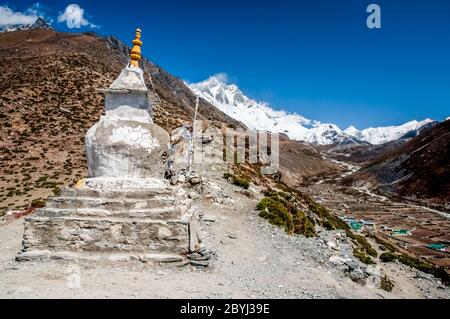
337, 260
422, 275
352, 264
195, 180
373, 271
332, 245
193, 195
358, 276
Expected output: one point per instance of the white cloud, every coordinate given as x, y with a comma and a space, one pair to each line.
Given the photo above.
8, 16
73, 16
29, 16
222, 77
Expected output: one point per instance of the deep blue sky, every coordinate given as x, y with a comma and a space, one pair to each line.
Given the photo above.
316, 58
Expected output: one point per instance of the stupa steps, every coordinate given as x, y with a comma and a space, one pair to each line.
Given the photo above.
156, 257
112, 219
113, 204
169, 213
119, 194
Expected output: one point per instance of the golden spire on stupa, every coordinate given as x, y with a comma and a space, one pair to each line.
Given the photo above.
136, 51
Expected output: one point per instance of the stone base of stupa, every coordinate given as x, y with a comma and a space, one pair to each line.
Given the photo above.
112, 219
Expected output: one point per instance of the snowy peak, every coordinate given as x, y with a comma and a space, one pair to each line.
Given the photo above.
382, 135
39, 24
260, 116
229, 97
351, 130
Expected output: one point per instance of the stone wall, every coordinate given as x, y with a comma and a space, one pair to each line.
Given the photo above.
94, 235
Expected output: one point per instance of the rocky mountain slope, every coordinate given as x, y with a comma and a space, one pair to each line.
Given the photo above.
301, 161
261, 116
418, 169
363, 154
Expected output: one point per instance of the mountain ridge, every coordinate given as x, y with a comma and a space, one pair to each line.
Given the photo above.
39, 24
261, 116
381, 135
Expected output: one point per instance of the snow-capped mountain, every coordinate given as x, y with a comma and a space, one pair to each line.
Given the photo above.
39, 24
381, 135
260, 116
352, 131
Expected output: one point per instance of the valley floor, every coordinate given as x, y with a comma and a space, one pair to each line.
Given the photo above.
253, 260
424, 225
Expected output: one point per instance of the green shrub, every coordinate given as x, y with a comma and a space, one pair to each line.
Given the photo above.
386, 284
276, 213
328, 220
42, 179
237, 180
303, 225
328, 225
388, 257
386, 245
280, 212
363, 243
38, 203
363, 257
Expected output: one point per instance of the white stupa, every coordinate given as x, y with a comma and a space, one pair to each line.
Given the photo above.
125, 209
125, 147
